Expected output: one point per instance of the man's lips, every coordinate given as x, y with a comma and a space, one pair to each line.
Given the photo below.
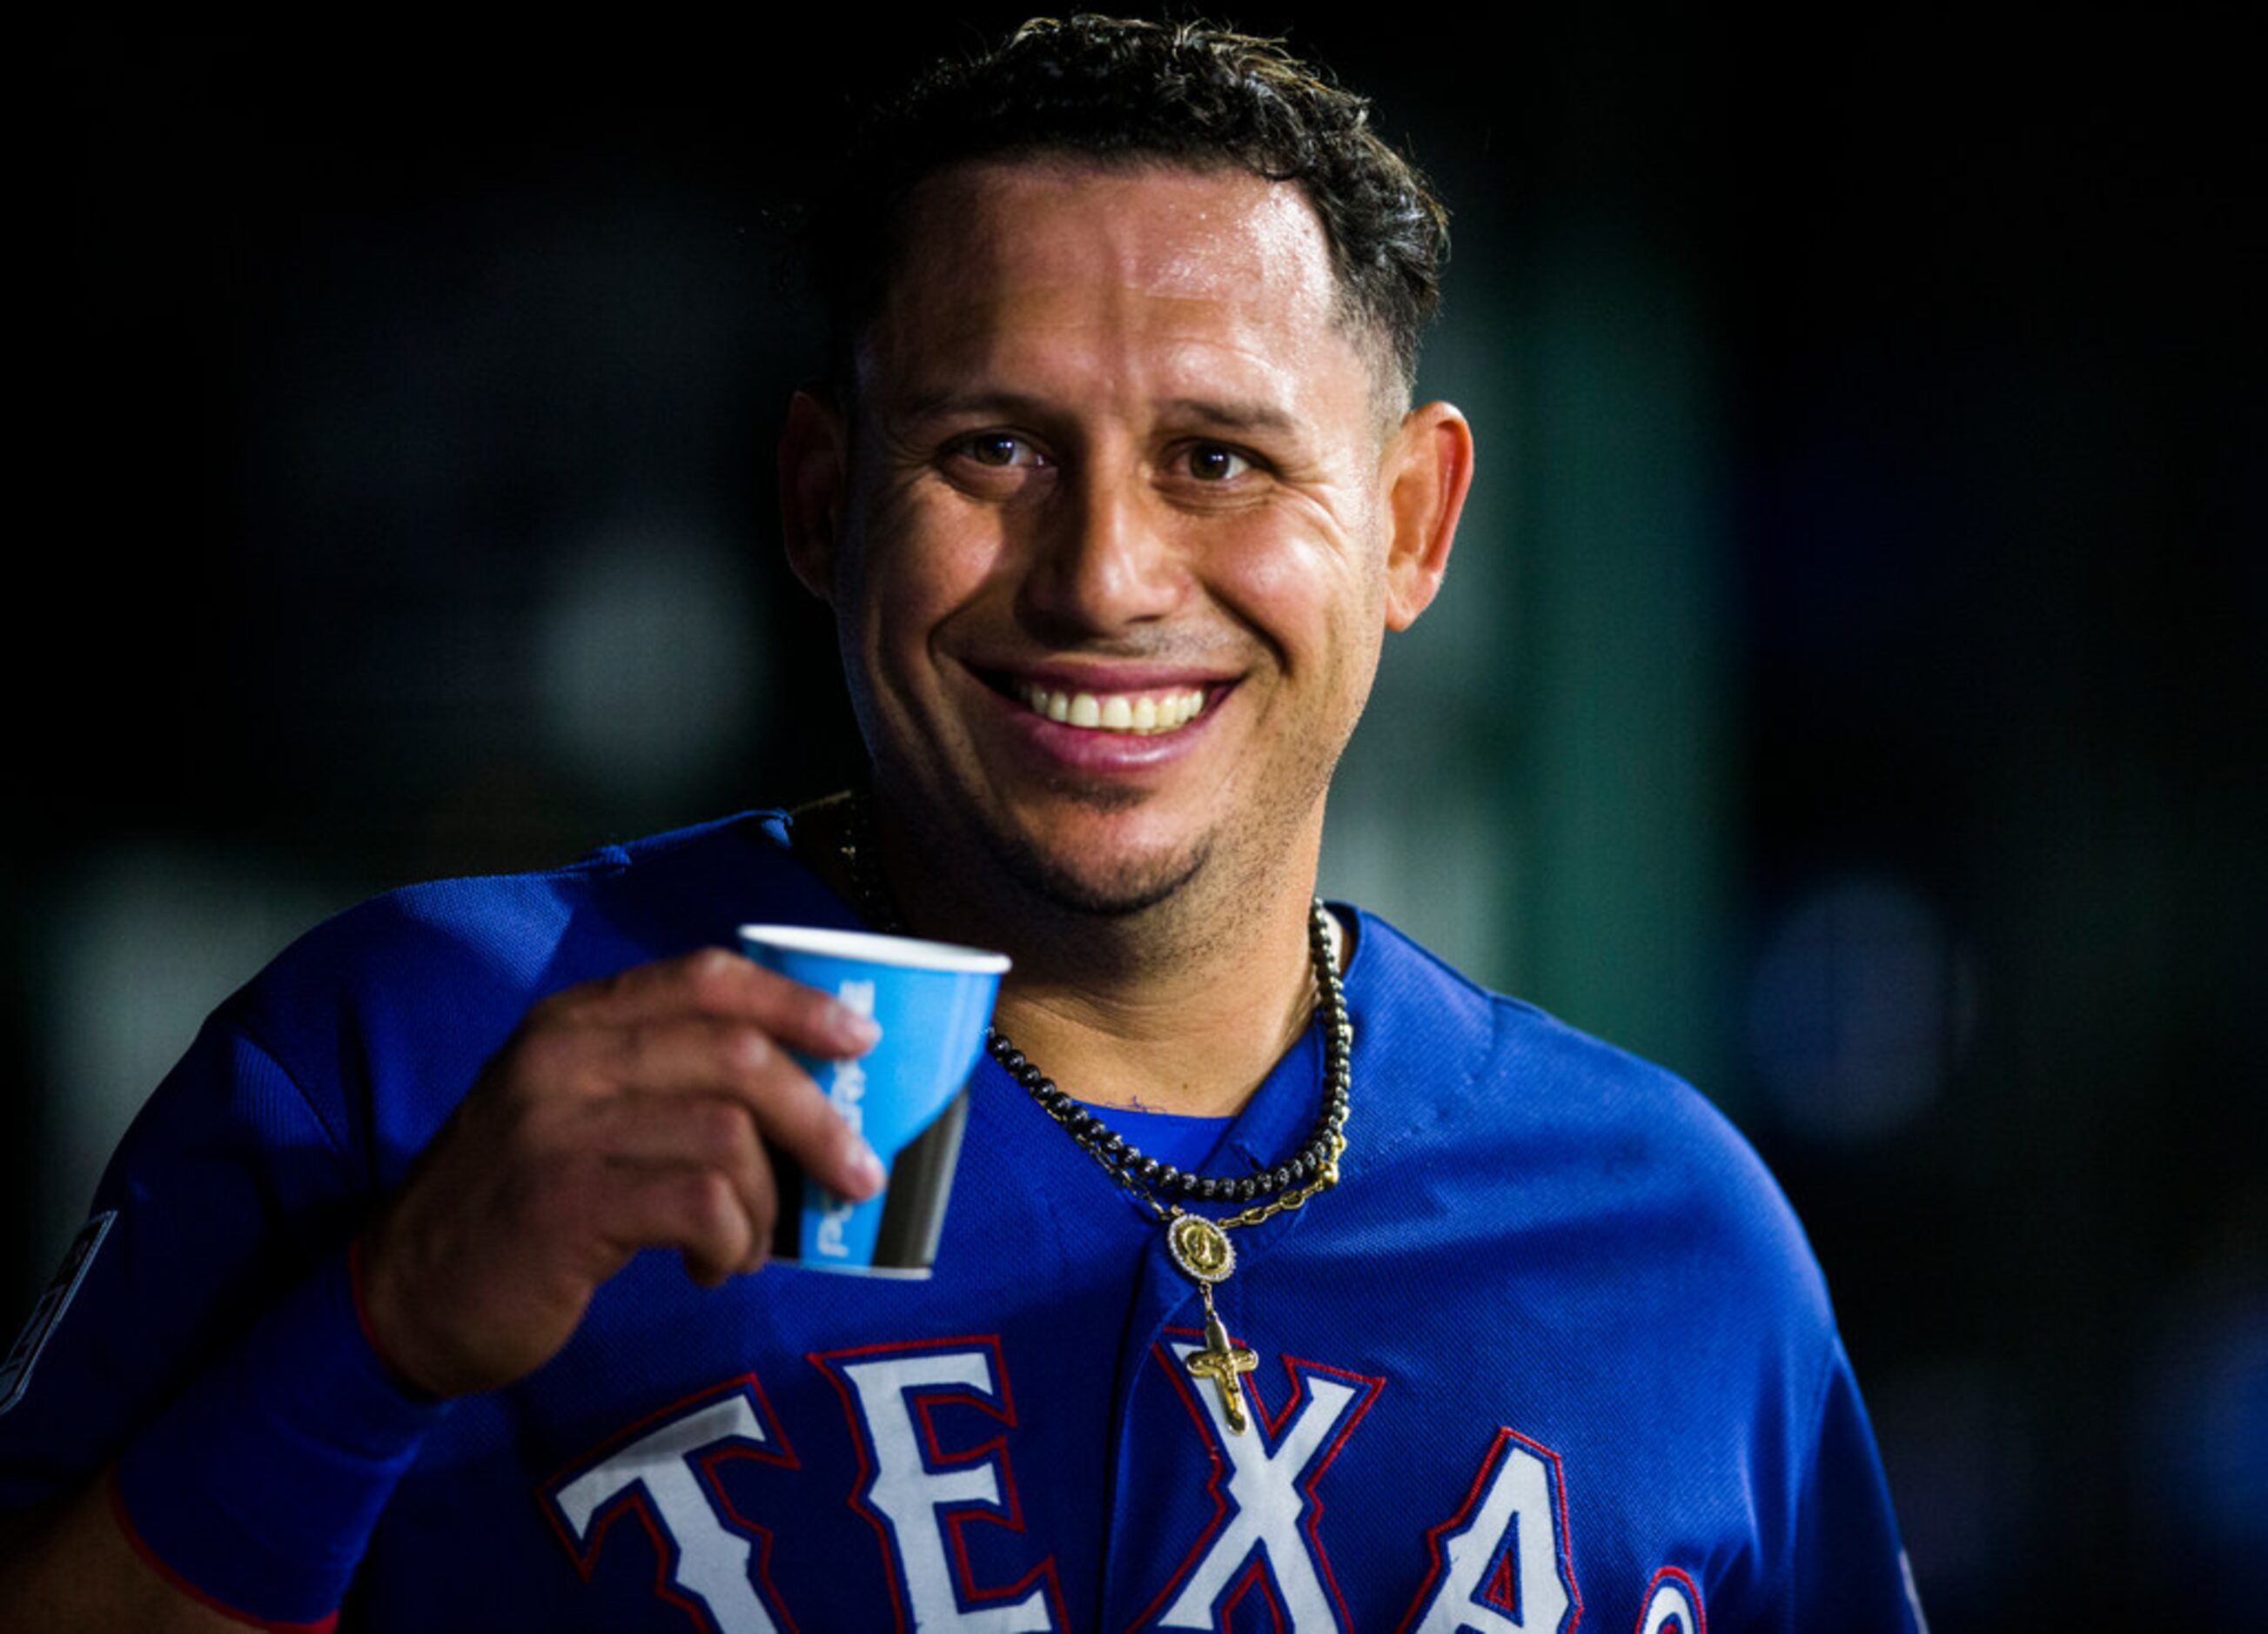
1133, 703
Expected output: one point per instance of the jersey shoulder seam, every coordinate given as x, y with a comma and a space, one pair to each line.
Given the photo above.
1783, 1582
241, 1025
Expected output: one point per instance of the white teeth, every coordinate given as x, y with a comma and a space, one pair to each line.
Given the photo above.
1141, 713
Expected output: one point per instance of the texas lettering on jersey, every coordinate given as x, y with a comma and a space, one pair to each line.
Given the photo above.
1500, 1562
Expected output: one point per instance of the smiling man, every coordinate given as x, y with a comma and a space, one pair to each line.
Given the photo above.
1304, 1285
1115, 519
1120, 464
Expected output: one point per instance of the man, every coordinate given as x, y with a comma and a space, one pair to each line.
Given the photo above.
1115, 495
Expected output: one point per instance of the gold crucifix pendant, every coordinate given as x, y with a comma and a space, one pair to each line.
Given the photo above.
1224, 1364
1202, 1249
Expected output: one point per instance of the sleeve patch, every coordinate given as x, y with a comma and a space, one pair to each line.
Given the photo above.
48, 1312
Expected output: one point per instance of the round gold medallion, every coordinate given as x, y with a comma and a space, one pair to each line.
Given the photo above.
1201, 1247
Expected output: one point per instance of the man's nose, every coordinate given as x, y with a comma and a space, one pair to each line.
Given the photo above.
1109, 556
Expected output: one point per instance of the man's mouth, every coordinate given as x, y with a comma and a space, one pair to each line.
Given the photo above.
1143, 714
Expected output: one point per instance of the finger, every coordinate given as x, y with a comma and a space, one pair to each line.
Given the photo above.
727, 987
704, 1131
739, 1062
694, 1056
691, 1055
795, 1118
712, 1131
688, 1207
703, 1059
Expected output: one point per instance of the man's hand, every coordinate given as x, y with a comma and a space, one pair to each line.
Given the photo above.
624, 1114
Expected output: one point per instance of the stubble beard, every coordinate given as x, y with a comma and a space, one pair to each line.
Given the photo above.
1057, 878
1201, 895
1123, 888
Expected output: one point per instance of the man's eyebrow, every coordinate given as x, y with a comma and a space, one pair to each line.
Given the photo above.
1234, 413
951, 399
1226, 414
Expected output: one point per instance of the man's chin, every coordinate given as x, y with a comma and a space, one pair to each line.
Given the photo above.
1111, 887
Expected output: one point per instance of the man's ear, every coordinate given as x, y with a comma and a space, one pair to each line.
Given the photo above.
1429, 466
815, 454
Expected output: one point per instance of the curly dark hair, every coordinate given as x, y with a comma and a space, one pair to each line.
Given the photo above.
1121, 91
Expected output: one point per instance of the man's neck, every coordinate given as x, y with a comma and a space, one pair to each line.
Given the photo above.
1182, 1006
1194, 1034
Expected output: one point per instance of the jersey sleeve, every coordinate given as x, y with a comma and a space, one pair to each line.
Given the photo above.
231, 1186
1846, 1569
301, 1102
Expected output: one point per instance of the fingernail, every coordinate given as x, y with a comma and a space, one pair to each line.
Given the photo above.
863, 1031
867, 1173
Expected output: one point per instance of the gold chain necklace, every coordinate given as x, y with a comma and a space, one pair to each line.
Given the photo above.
1198, 1243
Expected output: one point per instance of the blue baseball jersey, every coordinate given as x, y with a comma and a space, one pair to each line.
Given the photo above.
1553, 1352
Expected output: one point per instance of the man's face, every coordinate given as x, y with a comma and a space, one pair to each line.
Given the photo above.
1112, 569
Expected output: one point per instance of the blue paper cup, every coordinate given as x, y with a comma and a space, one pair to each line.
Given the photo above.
907, 1095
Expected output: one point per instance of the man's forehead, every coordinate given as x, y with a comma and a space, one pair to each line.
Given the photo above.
995, 253
1145, 214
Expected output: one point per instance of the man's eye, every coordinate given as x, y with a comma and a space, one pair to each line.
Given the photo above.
1209, 463
1000, 449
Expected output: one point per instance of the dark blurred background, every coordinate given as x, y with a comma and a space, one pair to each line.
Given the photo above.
1849, 692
